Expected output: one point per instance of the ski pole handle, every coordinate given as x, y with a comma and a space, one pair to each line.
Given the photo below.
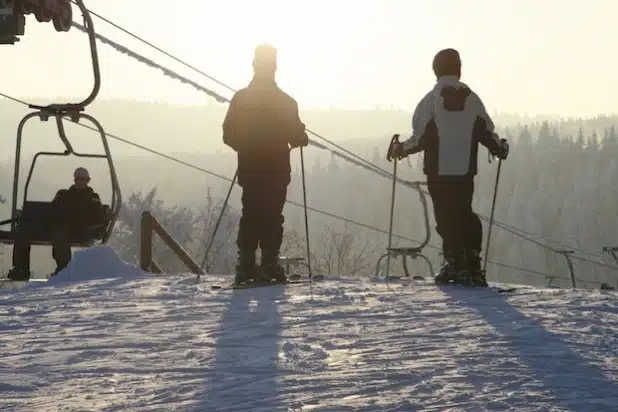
389, 154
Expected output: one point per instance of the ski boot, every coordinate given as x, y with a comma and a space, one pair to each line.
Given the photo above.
271, 267
475, 273
247, 271
19, 274
58, 269
448, 271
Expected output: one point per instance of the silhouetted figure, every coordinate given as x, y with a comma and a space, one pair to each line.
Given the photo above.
448, 125
76, 213
262, 125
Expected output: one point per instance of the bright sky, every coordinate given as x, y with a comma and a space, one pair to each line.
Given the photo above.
521, 56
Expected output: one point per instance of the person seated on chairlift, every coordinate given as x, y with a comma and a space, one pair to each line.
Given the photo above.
76, 214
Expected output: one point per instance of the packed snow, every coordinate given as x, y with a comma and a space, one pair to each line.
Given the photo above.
104, 336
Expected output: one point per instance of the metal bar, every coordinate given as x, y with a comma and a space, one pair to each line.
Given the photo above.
566, 254
20, 130
390, 224
116, 202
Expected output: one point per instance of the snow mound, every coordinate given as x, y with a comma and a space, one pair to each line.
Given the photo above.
100, 262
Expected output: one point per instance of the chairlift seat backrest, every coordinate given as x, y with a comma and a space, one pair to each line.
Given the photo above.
38, 215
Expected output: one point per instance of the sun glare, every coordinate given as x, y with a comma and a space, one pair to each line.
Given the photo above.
310, 25
312, 36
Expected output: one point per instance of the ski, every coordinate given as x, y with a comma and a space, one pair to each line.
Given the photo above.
419, 280
255, 285
292, 280
495, 288
10, 284
262, 285
296, 276
31, 280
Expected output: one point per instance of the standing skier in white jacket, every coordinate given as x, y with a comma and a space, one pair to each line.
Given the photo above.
448, 125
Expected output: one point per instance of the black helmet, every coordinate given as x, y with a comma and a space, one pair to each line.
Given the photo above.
447, 62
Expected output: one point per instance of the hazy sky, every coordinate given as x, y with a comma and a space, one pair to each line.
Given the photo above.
524, 56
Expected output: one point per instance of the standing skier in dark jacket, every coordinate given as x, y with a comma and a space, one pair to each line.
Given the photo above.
448, 125
262, 125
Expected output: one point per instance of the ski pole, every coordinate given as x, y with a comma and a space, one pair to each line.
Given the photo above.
302, 168
390, 226
491, 218
394, 140
214, 232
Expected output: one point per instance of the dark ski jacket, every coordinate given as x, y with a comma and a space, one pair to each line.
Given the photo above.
78, 208
448, 124
262, 124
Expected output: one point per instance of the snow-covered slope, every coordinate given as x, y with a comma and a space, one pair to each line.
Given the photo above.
103, 336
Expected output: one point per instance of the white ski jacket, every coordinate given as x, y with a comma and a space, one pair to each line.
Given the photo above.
448, 125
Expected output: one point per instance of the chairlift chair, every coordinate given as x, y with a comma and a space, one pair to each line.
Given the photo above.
414, 252
36, 211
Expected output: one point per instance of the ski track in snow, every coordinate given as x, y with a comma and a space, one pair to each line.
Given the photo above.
161, 343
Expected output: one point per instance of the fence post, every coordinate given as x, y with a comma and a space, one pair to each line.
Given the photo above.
566, 254
178, 250
148, 226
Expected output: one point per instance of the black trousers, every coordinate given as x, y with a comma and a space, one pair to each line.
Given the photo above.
61, 245
261, 223
456, 223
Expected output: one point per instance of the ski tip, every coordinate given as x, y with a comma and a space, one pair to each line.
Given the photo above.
395, 277
295, 277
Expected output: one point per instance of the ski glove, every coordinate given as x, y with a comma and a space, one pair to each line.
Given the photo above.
304, 141
503, 150
397, 151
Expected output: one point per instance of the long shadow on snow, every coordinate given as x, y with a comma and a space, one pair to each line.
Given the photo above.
570, 381
246, 376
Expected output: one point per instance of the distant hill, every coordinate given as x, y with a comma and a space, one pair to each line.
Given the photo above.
192, 129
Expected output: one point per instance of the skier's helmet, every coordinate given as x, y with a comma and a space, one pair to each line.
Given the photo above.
447, 62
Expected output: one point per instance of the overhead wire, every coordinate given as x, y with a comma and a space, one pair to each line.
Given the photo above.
214, 174
528, 236
371, 166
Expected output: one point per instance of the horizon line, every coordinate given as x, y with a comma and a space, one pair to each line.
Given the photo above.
377, 108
